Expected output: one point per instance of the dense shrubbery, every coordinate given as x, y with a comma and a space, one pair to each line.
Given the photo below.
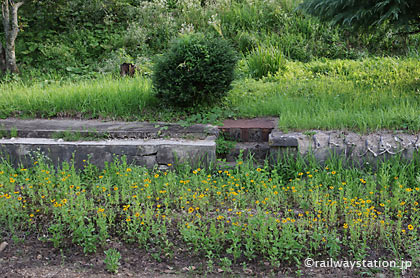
77, 37
196, 69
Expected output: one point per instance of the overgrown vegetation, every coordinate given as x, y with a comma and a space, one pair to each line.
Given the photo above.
307, 70
309, 74
76, 38
243, 215
363, 95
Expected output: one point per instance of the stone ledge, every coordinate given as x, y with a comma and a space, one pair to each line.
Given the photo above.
40, 128
149, 153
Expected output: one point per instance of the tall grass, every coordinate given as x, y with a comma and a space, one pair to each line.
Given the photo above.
102, 97
359, 95
362, 95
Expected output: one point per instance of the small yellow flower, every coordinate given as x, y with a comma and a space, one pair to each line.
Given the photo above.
345, 226
410, 227
333, 172
190, 209
258, 169
115, 188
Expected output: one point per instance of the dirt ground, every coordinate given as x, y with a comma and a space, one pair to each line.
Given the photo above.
33, 258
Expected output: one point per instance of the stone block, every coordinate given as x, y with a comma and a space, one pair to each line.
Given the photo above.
279, 139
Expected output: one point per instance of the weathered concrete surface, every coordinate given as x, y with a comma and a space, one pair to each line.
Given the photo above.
150, 153
40, 128
353, 146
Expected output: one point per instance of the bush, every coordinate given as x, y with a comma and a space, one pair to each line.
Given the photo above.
196, 70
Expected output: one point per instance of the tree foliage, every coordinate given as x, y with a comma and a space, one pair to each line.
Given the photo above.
367, 13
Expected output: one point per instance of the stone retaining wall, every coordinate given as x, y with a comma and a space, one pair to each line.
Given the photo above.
353, 146
150, 153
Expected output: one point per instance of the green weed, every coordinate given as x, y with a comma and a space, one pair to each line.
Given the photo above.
112, 260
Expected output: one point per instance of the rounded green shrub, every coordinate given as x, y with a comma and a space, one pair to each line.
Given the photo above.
197, 69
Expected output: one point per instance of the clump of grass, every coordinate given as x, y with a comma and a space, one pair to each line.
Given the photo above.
264, 61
